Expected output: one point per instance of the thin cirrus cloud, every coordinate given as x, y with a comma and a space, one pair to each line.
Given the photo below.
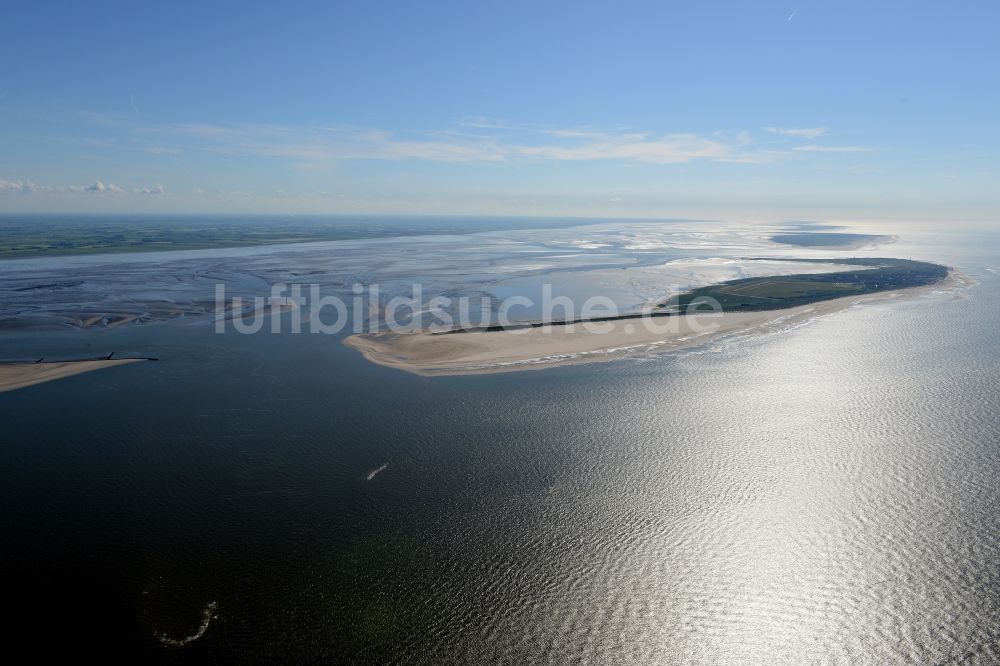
799, 132
814, 148
668, 149
319, 148
480, 141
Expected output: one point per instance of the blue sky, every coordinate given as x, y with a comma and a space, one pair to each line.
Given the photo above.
738, 109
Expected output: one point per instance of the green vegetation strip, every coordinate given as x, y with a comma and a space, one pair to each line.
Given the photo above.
789, 291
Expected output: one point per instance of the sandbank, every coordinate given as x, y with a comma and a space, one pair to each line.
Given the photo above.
20, 375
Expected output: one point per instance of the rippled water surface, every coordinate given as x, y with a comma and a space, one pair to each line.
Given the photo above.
824, 494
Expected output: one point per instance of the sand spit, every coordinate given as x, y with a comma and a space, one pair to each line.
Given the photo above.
20, 375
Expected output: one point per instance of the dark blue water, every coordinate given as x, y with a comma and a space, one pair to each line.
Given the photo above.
822, 494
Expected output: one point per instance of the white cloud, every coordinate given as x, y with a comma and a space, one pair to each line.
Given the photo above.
18, 186
813, 148
800, 132
97, 187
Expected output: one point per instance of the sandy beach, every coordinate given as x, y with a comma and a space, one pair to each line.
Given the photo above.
431, 354
20, 375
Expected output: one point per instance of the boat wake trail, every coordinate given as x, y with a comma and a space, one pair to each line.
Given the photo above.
206, 619
374, 472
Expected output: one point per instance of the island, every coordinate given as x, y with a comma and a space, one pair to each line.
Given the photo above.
831, 240
694, 317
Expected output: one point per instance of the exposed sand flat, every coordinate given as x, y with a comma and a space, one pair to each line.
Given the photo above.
20, 375
426, 353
